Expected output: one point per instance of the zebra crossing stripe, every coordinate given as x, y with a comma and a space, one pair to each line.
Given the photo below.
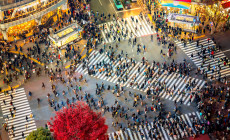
181, 86
110, 138
163, 132
162, 129
159, 76
138, 134
143, 28
122, 135
21, 104
192, 48
130, 134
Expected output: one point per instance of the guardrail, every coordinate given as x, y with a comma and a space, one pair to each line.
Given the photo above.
5, 6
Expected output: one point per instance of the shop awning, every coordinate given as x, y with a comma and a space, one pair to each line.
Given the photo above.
184, 4
226, 5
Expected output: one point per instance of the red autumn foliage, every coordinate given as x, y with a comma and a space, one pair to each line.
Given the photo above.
78, 122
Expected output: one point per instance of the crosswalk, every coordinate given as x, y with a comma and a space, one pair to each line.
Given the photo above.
182, 87
159, 131
125, 28
191, 48
18, 121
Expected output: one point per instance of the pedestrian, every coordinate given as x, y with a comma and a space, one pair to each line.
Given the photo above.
23, 135
4, 101
43, 85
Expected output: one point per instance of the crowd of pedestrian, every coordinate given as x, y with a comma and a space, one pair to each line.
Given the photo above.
168, 120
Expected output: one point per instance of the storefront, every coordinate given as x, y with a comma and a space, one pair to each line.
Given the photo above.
21, 29
186, 22
66, 35
25, 28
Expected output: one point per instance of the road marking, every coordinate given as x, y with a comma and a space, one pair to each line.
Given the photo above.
197, 37
128, 10
113, 7
226, 51
82, 50
100, 2
33, 59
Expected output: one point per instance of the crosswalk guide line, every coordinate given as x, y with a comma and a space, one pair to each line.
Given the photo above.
140, 77
122, 135
126, 135
118, 135
98, 74
131, 74
115, 78
186, 115
146, 131
138, 134
180, 129
168, 133
130, 134
115, 81
164, 133
170, 86
182, 97
147, 27
132, 26
198, 114
198, 84
92, 56
202, 84
108, 31
152, 81
149, 129
175, 82
103, 34
140, 27
186, 96
142, 131
181, 89
134, 134
23, 109
167, 84
110, 138
177, 131
158, 127
180, 86
126, 29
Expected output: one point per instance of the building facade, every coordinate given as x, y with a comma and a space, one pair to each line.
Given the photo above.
19, 17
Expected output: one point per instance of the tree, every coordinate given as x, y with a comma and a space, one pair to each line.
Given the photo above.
216, 14
40, 134
78, 121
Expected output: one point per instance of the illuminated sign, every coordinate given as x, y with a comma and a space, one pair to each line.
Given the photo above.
184, 4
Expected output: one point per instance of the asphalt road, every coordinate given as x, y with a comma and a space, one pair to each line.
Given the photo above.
108, 6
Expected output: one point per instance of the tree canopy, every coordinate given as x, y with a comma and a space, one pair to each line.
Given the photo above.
78, 121
216, 14
40, 134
